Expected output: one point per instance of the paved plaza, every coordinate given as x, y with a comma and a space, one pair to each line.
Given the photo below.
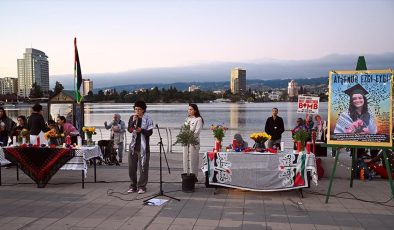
63, 204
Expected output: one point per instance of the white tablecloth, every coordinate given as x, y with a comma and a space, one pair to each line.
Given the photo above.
78, 162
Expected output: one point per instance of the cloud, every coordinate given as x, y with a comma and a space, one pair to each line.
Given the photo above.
220, 71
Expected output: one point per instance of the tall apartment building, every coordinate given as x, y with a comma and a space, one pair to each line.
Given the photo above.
292, 89
87, 86
238, 80
33, 68
8, 85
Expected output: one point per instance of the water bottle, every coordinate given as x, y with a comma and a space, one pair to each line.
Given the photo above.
38, 141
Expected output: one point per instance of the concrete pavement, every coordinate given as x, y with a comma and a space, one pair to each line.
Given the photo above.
63, 204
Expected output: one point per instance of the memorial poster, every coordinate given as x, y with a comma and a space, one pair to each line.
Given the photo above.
360, 108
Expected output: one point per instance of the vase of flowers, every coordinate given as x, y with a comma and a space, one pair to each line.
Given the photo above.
218, 132
89, 131
24, 137
52, 137
186, 137
260, 139
300, 137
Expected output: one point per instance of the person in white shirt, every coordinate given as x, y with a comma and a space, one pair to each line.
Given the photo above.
196, 123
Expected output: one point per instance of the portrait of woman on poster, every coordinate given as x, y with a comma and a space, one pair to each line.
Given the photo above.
357, 119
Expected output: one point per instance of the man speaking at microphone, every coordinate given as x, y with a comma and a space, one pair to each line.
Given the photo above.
141, 127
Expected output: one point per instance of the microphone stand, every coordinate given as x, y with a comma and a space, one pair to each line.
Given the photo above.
161, 192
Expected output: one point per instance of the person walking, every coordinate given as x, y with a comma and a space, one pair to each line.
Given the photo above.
274, 126
141, 126
118, 129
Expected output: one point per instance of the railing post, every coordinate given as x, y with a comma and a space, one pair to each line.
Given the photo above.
168, 148
170, 140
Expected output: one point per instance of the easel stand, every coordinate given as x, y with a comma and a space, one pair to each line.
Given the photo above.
354, 157
161, 192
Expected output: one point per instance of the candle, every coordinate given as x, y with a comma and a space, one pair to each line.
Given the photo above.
217, 146
308, 147
299, 146
234, 144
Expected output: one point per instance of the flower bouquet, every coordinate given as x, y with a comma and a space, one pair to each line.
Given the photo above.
259, 139
24, 136
301, 136
218, 132
52, 137
90, 131
357, 126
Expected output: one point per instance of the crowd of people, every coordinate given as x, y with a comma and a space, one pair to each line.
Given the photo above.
140, 125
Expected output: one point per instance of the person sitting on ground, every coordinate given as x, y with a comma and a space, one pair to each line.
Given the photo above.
241, 144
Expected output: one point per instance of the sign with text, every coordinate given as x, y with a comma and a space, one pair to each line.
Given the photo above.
360, 108
308, 104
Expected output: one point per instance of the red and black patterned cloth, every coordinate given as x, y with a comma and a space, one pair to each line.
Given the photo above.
40, 164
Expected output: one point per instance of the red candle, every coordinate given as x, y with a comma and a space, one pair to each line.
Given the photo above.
234, 144
299, 146
308, 147
217, 146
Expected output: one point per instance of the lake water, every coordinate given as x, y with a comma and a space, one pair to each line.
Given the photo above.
243, 118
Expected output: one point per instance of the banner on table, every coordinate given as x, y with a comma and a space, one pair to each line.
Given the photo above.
256, 171
360, 108
308, 104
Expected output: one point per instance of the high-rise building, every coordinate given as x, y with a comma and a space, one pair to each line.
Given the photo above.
193, 88
87, 86
292, 89
8, 85
238, 80
33, 68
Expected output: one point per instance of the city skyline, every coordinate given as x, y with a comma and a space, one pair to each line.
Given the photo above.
119, 37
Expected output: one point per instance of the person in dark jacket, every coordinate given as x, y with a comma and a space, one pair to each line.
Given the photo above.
6, 126
274, 126
36, 122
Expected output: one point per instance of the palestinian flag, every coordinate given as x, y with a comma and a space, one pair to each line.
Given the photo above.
300, 172
77, 74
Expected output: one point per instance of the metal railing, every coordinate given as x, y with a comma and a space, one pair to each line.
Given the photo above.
207, 140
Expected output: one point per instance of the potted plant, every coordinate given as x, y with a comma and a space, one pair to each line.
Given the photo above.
186, 137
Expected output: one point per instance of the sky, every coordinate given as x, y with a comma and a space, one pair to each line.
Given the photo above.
118, 36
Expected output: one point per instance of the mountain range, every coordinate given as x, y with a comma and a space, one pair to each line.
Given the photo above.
267, 69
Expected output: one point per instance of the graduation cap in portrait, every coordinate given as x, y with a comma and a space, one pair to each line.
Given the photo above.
356, 89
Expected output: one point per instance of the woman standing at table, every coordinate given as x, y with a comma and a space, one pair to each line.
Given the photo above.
196, 123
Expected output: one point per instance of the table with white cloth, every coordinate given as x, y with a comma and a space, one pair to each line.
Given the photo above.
257, 171
79, 161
